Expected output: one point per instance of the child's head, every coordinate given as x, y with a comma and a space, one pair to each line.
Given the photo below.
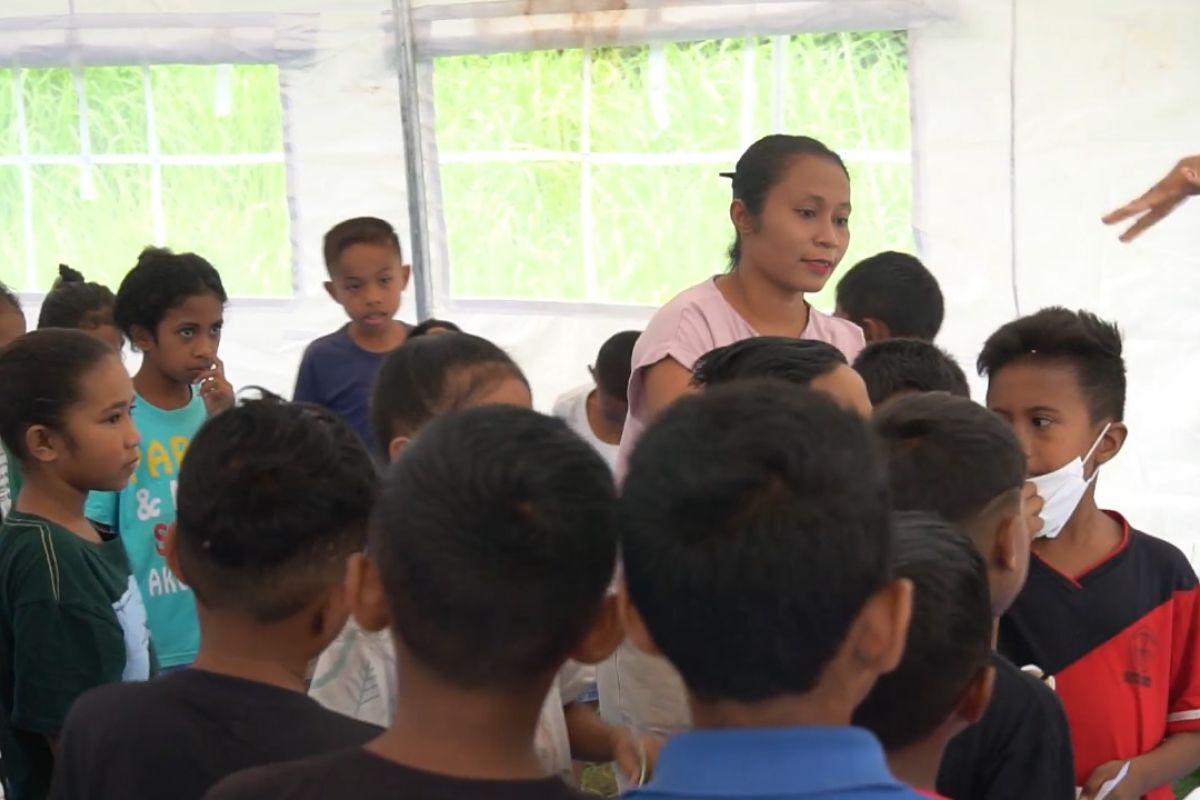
891, 294
805, 362
432, 327
171, 306
494, 543
434, 375
366, 271
764, 508
790, 211
953, 457
272, 499
944, 681
1058, 377
76, 303
902, 366
12, 318
64, 408
611, 374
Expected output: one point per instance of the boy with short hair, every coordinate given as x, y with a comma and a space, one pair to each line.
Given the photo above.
944, 682
597, 411
1110, 611
490, 556
272, 499
953, 457
367, 275
890, 295
769, 505
899, 366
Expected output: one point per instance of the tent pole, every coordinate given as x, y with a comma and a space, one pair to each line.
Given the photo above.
414, 155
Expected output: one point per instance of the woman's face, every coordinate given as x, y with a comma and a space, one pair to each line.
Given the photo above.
804, 229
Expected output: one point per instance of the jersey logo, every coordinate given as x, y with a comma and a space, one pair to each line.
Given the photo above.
1142, 647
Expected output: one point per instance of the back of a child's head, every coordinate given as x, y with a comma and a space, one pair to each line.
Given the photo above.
358, 230
74, 302
755, 526
894, 366
950, 456
433, 327
160, 281
784, 358
895, 289
42, 376
433, 375
614, 363
12, 318
1079, 341
949, 642
495, 543
272, 499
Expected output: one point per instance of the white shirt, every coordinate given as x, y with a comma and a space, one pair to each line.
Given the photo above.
572, 409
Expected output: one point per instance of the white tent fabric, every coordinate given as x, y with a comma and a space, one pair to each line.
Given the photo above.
1030, 120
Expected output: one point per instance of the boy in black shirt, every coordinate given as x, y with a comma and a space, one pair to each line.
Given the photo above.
490, 556
951, 456
272, 499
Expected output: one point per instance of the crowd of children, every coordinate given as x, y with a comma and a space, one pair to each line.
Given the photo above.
763, 553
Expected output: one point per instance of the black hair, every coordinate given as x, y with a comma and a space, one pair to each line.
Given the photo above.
949, 636
495, 541
614, 362
40, 377
424, 378
160, 281
72, 300
358, 230
762, 166
892, 366
433, 325
896, 289
8, 296
272, 499
798, 361
755, 524
1080, 340
948, 455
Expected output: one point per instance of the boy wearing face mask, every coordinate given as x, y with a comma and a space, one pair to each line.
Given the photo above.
1111, 612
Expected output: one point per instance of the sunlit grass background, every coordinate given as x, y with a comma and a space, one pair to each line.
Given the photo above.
517, 229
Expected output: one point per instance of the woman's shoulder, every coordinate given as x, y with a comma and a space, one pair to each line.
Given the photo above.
693, 322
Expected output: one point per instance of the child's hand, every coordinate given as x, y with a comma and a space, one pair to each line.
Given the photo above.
1163, 198
635, 756
215, 390
1032, 505
1129, 787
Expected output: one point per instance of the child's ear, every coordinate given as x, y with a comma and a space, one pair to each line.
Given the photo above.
141, 337
882, 627
1111, 443
170, 547
635, 627
42, 443
331, 290
978, 696
604, 635
875, 330
405, 276
395, 446
364, 590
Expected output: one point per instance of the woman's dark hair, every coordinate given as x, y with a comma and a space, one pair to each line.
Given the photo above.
762, 166
433, 325
72, 299
40, 376
433, 375
161, 281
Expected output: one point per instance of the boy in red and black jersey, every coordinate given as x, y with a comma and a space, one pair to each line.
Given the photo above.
1111, 612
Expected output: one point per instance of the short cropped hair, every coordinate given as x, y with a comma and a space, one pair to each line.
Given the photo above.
949, 636
798, 361
755, 525
495, 542
359, 230
892, 366
614, 363
1080, 340
896, 289
948, 455
272, 499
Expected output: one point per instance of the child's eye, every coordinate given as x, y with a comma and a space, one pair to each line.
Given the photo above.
187, 333
1042, 422
216, 329
842, 222
386, 280
806, 213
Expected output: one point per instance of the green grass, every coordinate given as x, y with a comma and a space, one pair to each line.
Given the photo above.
516, 230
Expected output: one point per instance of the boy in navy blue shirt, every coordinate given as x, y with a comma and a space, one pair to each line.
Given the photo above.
757, 539
366, 276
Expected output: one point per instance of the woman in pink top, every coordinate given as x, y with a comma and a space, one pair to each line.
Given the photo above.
791, 219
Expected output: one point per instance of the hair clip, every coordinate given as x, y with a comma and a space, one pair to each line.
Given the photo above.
730, 175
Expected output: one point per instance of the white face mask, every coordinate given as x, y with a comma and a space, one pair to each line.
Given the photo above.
1062, 489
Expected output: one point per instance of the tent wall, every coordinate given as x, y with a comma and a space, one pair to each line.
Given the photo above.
1030, 120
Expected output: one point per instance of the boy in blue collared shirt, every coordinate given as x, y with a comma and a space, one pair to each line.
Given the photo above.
756, 536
